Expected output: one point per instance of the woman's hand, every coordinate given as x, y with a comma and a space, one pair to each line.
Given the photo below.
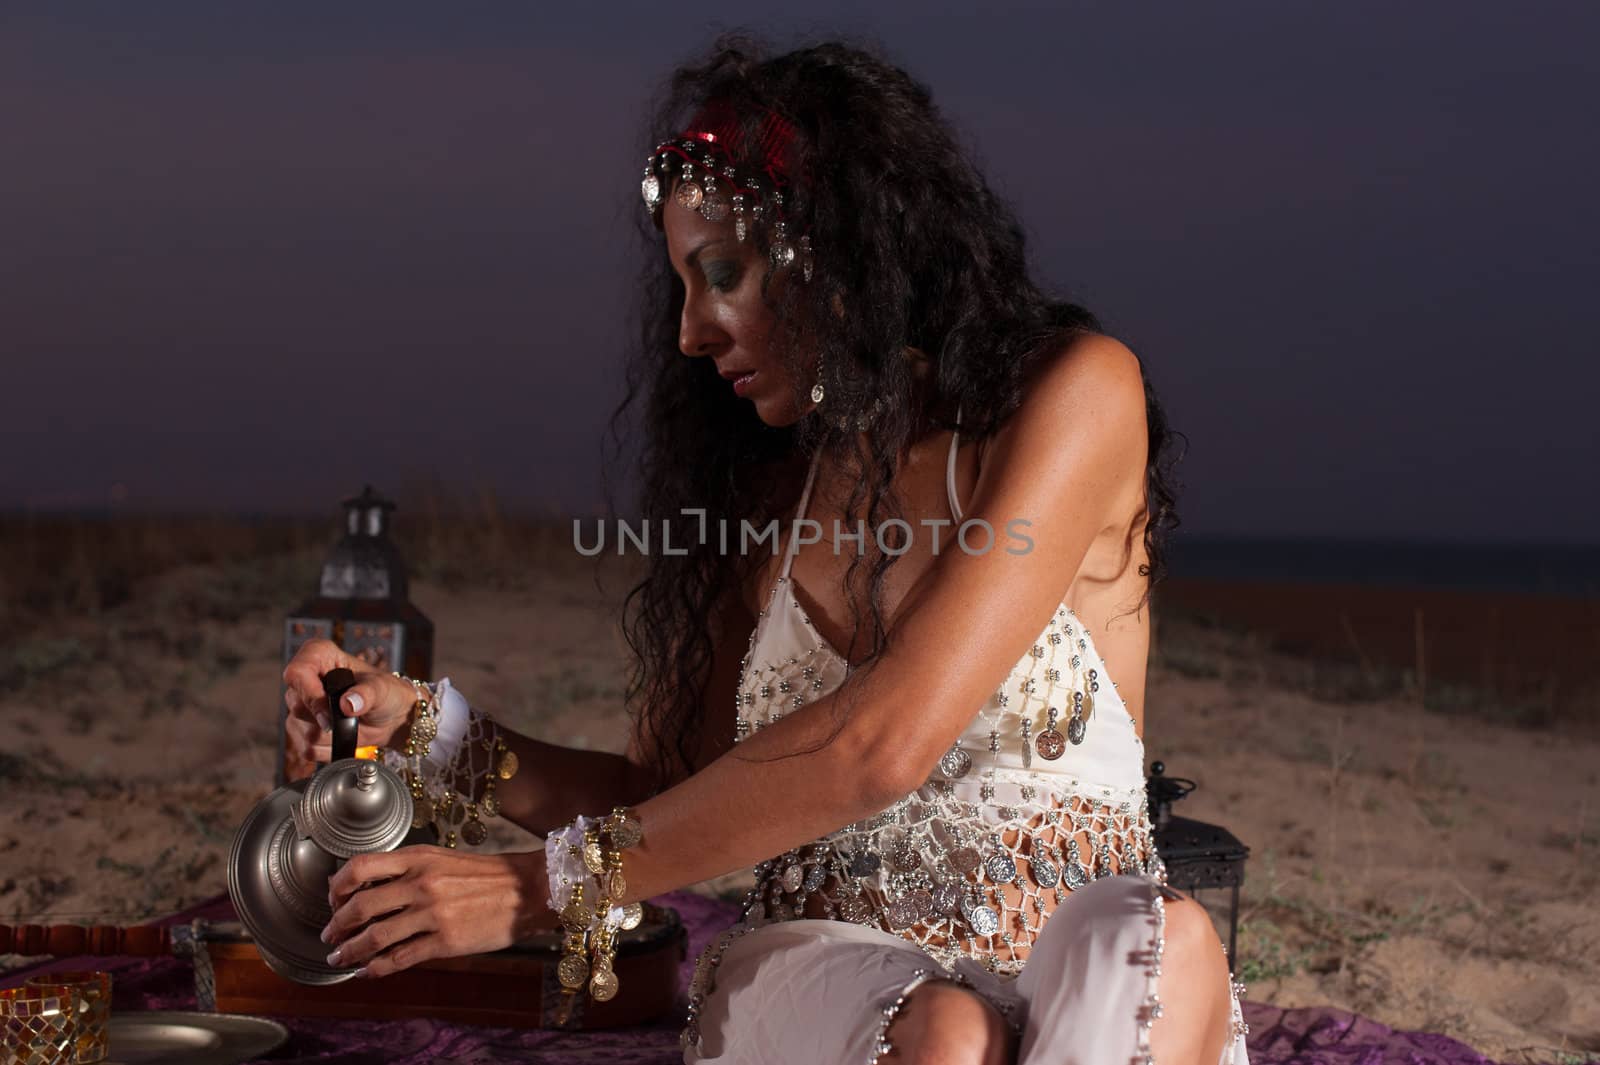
432, 902
381, 703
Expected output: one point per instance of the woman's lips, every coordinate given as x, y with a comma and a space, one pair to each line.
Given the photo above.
741, 385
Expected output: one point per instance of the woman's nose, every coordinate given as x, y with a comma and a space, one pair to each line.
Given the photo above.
698, 335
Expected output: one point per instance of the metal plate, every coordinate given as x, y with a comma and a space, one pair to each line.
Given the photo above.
175, 1037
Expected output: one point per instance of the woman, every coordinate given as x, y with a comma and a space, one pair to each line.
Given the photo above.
902, 706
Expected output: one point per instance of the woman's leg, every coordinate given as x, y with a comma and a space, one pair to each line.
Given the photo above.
825, 991
816, 992
1091, 974
1196, 1012
943, 1023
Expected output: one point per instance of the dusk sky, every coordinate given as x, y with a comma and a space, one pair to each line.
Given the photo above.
252, 256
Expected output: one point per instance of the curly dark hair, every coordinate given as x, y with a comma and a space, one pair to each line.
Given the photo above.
910, 239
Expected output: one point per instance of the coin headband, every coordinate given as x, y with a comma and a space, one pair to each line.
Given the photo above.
712, 184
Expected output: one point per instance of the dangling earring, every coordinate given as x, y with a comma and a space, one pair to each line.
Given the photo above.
816, 389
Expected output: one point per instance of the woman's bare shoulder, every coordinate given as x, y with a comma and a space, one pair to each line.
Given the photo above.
1088, 390
1090, 372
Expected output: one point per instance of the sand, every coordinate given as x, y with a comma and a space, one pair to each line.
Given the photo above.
1434, 872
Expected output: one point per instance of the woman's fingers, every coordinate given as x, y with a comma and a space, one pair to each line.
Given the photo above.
306, 732
409, 952
393, 909
299, 710
308, 740
365, 905
388, 933
378, 701
314, 739
362, 696
305, 670
369, 868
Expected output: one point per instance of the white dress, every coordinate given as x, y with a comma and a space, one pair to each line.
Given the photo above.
1031, 879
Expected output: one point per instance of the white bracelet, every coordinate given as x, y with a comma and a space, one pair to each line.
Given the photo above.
563, 859
452, 712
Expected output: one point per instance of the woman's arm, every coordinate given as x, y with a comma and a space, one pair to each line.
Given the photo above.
1069, 462
551, 783
554, 784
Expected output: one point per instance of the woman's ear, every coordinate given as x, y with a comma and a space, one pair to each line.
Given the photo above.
838, 305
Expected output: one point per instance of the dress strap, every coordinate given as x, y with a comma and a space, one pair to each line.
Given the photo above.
805, 498
950, 469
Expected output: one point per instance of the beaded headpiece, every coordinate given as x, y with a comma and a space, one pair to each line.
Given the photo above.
723, 171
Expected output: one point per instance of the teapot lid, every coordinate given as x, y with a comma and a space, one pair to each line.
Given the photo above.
353, 806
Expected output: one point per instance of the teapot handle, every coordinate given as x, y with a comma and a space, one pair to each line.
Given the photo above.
335, 683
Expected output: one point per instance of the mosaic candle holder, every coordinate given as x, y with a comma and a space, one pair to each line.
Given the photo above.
92, 990
39, 1025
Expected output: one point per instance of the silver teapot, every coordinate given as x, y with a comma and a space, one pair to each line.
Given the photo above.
296, 838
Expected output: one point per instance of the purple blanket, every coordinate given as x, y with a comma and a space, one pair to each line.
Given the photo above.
1312, 1036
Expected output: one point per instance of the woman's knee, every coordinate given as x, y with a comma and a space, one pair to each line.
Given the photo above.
1193, 989
1110, 910
1188, 923
943, 1023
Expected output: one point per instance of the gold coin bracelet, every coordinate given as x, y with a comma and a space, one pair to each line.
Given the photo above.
618, 832
584, 862
573, 970
570, 892
442, 795
424, 725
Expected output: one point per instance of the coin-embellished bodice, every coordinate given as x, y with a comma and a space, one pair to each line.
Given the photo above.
1043, 792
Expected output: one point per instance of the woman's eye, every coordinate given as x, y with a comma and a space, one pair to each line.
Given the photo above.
721, 276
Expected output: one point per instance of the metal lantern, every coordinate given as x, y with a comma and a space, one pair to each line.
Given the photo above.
1199, 857
361, 605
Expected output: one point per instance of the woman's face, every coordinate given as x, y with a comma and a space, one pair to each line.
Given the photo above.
725, 317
